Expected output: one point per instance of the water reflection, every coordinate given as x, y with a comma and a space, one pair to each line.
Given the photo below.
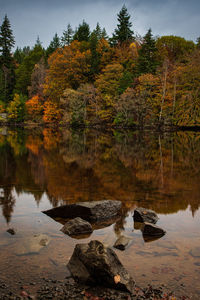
162, 172
40, 169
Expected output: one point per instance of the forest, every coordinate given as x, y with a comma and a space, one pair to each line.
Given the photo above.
86, 78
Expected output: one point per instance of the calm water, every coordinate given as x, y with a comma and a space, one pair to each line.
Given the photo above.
40, 169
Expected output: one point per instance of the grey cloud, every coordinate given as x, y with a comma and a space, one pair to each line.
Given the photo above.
46, 17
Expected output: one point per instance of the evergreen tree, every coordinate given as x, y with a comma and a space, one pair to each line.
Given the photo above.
104, 34
20, 54
54, 44
123, 32
198, 43
95, 58
6, 61
23, 73
67, 36
82, 33
147, 60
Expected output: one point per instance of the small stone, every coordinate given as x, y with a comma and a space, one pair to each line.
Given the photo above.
195, 252
145, 215
122, 242
77, 226
11, 231
152, 230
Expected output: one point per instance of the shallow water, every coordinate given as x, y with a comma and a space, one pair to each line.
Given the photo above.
42, 169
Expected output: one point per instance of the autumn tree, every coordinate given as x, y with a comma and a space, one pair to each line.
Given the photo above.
173, 48
16, 109
6, 61
123, 32
187, 106
34, 108
38, 79
52, 113
108, 81
68, 68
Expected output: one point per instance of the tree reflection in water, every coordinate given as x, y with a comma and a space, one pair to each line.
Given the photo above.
159, 171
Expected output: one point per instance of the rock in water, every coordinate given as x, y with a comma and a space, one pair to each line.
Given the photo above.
152, 230
145, 215
94, 263
122, 242
89, 211
31, 245
77, 226
11, 231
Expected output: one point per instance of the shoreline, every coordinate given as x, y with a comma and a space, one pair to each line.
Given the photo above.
194, 128
69, 289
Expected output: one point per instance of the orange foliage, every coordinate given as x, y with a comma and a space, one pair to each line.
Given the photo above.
68, 68
52, 113
51, 138
34, 107
33, 144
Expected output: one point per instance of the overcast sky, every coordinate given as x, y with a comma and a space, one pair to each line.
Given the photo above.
44, 18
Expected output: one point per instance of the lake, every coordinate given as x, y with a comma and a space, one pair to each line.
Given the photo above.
45, 168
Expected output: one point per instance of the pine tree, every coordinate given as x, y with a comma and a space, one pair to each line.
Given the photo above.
95, 59
54, 44
198, 43
67, 36
82, 33
104, 34
147, 60
123, 32
6, 63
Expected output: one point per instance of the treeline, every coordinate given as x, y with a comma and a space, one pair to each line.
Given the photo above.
86, 78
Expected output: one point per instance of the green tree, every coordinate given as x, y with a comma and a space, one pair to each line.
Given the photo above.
82, 33
23, 73
174, 48
16, 109
147, 60
123, 32
20, 54
6, 61
67, 36
95, 56
198, 42
54, 44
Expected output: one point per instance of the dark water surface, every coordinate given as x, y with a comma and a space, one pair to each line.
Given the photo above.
40, 169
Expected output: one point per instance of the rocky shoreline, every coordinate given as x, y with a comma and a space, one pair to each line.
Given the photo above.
69, 289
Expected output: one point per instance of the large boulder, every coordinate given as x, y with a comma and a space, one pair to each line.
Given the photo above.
152, 230
77, 226
94, 263
89, 211
145, 215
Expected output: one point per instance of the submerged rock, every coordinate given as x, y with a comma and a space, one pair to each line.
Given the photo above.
94, 263
145, 215
11, 231
31, 245
195, 252
152, 230
89, 211
77, 226
122, 242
